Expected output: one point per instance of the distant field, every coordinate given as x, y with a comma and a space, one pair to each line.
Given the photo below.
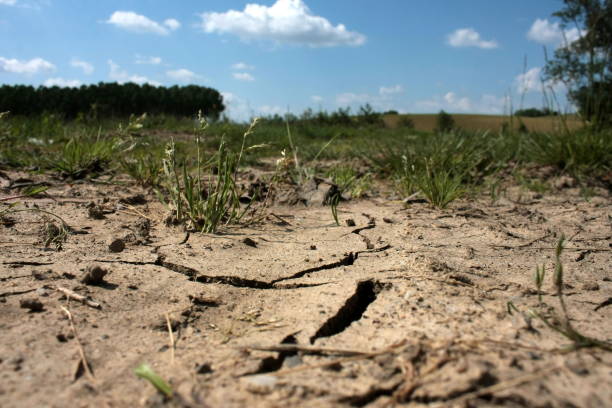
427, 122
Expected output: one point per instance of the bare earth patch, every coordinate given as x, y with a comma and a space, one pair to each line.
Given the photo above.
409, 306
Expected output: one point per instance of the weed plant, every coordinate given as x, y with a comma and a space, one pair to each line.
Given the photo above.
209, 198
560, 322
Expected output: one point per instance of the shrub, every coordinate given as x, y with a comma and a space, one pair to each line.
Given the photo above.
444, 122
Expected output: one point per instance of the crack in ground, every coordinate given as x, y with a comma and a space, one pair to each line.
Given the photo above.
348, 260
27, 263
353, 309
235, 281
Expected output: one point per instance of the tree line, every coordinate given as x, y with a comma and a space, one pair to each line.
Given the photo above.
110, 100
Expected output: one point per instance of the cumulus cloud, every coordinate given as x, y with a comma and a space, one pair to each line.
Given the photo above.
87, 68
122, 76
31, 67
529, 81
172, 24
390, 90
183, 75
450, 101
468, 37
286, 21
350, 98
63, 83
128, 20
243, 76
544, 32
148, 60
8, 2
237, 108
242, 66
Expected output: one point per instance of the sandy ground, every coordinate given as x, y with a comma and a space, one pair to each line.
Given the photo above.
408, 306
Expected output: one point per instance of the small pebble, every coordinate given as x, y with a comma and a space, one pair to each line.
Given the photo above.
261, 384
350, 222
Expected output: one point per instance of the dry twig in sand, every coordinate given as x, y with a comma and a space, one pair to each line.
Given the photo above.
80, 298
83, 364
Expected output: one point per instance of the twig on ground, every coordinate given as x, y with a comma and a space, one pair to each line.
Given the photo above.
84, 363
16, 292
80, 298
309, 350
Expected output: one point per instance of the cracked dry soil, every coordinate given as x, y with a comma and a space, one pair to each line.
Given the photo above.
408, 307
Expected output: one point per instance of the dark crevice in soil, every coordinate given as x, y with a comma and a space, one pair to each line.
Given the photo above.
348, 260
352, 310
271, 364
234, 281
27, 263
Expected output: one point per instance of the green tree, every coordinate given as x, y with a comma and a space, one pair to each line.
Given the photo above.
444, 122
585, 64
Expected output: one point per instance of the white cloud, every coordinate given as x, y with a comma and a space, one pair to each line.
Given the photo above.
286, 21
128, 20
122, 76
545, 32
267, 110
241, 66
316, 98
8, 2
349, 98
390, 90
237, 108
451, 102
63, 83
172, 24
87, 68
529, 81
148, 60
243, 76
468, 37
183, 75
31, 67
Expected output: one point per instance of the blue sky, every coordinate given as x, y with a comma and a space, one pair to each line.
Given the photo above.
270, 56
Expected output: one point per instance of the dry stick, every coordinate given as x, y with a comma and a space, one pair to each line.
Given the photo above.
16, 292
282, 220
132, 208
362, 356
80, 345
309, 350
172, 344
80, 298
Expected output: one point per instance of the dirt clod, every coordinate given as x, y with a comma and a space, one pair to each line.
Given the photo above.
115, 244
249, 242
32, 304
93, 275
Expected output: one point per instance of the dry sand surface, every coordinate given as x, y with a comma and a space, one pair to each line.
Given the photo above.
408, 306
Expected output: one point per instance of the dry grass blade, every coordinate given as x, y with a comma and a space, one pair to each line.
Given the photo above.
83, 363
